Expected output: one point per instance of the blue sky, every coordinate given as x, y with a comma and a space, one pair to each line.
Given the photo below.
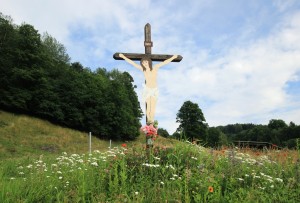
241, 59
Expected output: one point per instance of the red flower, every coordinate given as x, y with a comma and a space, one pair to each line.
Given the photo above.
124, 145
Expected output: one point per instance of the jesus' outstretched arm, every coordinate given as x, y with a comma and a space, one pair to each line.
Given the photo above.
157, 66
131, 62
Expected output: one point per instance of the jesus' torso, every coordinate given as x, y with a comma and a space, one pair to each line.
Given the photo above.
151, 78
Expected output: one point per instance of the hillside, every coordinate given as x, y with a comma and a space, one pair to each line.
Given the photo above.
22, 135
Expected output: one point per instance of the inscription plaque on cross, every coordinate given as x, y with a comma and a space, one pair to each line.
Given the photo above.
150, 92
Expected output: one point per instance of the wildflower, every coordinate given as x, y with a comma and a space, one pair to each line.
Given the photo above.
151, 165
279, 180
240, 179
162, 183
94, 164
124, 145
136, 193
60, 177
29, 166
170, 166
210, 189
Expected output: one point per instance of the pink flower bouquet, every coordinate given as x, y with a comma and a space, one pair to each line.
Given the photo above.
149, 131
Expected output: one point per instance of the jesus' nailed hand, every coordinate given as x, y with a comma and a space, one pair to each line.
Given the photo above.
150, 92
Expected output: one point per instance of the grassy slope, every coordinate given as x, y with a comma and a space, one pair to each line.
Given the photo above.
22, 135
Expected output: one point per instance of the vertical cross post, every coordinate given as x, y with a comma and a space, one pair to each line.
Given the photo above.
148, 43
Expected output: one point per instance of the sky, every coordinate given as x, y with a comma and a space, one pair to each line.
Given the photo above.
241, 58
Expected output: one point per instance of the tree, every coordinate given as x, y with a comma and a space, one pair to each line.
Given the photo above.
213, 136
163, 132
191, 121
8, 44
276, 124
223, 139
54, 49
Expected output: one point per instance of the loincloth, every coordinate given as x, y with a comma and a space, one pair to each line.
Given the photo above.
149, 92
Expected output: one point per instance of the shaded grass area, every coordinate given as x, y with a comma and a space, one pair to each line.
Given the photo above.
23, 135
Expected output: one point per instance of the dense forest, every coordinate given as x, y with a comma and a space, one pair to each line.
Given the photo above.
277, 133
38, 78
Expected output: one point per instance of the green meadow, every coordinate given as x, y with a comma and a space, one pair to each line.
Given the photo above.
41, 162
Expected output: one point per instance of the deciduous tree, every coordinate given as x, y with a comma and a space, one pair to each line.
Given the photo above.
191, 121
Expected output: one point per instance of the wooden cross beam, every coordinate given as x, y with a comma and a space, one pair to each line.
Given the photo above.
148, 44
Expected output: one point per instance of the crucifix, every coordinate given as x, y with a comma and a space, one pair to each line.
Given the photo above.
150, 92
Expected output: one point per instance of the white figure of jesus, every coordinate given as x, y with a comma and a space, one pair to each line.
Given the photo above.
150, 91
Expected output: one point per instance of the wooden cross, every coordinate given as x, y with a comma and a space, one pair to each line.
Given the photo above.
148, 45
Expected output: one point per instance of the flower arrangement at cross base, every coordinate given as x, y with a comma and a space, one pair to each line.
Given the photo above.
150, 130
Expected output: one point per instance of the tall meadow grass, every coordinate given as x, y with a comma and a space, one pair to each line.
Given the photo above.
184, 172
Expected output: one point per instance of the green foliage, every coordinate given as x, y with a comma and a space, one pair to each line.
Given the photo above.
213, 137
191, 121
276, 132
276, 124
38, 79
163, 132
54, 49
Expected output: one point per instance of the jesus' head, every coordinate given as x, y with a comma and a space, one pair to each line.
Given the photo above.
146, 62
